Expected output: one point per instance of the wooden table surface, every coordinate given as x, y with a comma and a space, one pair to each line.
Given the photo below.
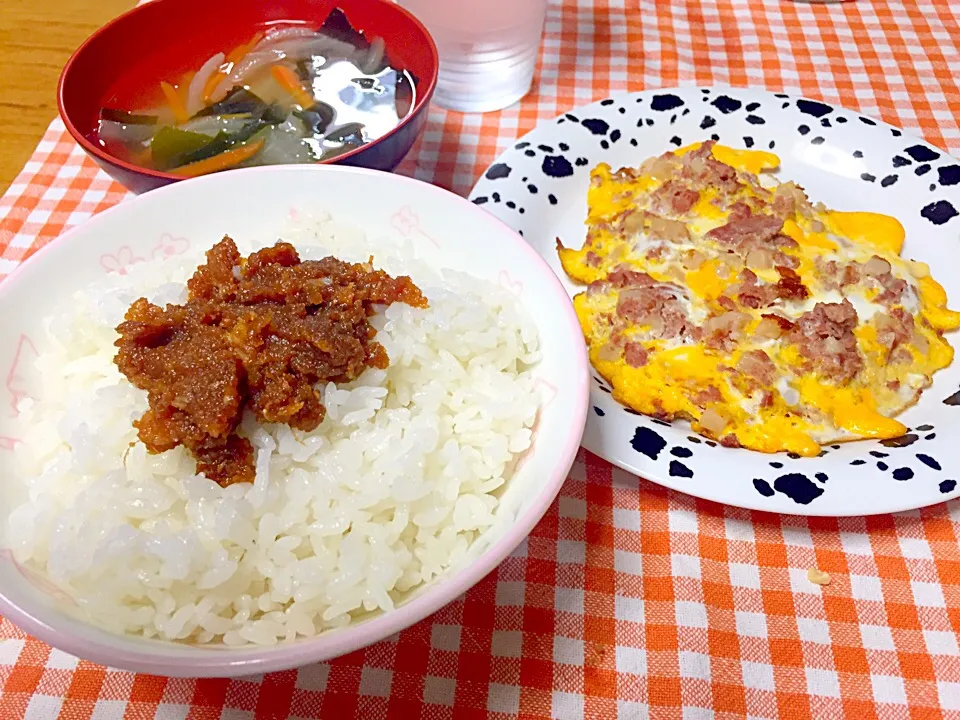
36, 39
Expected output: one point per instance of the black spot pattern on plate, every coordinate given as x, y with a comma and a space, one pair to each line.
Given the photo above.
949, 175
772, 144
545, 148
929, 461
755, 120
622, 110
867, 177
581, 161
858, 153
480, 200
878, 454
678, 469
924, 428
776, 464
953, 400
867, 121
841, 119
821, 477
607, 102
708, 122
793, 456
686, 111
818, 140
747, 141
614, 135
859, 462
752, 106
633, 142
694, 439
496, 197
532, 189
556, 166
511, 204
901, 161
662, 103
604, 144
726, 104
497, 171
596, 126
895, 132
922, 169
812, 107
649, 122
598, 411
902, 441
681, 452
648, 442
948, 486
882, 466
563, 147
676, 141
931, 436
939, 212
552, 198
825, 122
921, 153
715, 137
798, 487
902, 474
522, 145
803, 129
763, 487
888, 181
658, 421
631, 411
572, 118
529, 153
932, 187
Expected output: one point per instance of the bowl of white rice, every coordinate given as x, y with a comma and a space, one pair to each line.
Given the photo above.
421, 478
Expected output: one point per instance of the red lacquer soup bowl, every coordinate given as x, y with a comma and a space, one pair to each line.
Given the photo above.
124, 62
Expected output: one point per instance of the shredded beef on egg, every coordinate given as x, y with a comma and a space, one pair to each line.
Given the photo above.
758, 365
674, 198
701, 168
644, 301
825, 337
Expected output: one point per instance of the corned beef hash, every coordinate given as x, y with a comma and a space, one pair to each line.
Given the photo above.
716, 294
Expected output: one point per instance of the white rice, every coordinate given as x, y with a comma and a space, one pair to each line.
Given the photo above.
389, 492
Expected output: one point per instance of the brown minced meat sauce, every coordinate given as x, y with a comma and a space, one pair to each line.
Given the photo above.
258, 333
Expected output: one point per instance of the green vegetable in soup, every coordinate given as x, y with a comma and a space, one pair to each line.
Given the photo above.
238, 101
172, 147
127, 118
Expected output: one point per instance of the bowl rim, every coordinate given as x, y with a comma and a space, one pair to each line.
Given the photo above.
139, 654
423, 98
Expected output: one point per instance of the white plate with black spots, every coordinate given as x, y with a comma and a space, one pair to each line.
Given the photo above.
847, 161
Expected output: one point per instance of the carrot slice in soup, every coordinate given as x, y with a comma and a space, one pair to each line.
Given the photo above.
289, 81
223, 161
175, 101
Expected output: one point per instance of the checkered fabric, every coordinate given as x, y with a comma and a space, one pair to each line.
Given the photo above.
627, 600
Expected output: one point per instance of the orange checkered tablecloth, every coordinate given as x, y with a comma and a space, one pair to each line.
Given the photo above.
627, 600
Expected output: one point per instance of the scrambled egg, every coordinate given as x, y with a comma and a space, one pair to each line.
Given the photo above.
718, 295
